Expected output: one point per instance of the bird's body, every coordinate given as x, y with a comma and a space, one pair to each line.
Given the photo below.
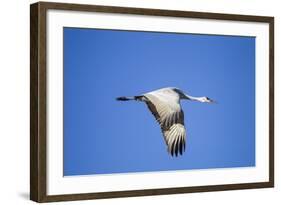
164, 104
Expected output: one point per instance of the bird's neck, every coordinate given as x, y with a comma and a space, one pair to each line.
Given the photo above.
189, 97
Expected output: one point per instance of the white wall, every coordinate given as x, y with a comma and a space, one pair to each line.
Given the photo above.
14, 101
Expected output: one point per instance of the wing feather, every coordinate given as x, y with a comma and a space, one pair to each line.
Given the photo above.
171, 119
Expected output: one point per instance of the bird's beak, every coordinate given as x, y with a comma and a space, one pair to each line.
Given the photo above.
213, 101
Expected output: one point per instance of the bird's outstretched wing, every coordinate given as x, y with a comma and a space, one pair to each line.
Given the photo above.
171, 119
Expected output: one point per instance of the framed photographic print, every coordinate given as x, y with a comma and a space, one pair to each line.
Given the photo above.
134, 102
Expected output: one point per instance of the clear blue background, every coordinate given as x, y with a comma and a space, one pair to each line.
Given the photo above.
102, 135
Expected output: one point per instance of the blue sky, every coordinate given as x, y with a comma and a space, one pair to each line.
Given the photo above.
103, 136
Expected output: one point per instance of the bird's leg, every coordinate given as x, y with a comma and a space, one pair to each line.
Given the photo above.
137, 98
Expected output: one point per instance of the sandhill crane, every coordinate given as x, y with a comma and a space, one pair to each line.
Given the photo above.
164, 104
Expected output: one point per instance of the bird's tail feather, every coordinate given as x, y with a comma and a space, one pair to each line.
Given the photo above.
123, 98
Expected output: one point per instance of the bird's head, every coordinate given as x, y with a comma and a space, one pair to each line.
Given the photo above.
206, 100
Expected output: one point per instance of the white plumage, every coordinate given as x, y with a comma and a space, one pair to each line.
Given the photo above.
164, 104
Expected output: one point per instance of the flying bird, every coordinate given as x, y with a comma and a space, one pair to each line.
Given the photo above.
164, 104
